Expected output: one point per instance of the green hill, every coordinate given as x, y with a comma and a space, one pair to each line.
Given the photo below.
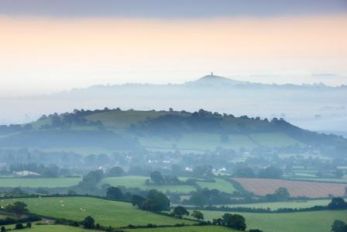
106, 213
162, 130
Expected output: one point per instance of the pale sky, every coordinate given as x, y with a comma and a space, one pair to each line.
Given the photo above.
43, 51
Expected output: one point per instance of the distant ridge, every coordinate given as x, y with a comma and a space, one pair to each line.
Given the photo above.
170, 130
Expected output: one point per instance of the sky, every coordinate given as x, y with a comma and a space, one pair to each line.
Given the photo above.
48, 46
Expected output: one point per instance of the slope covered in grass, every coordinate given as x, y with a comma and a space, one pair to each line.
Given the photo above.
316, 221
107, 213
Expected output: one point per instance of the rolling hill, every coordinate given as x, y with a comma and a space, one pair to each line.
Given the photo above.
316, 107
117, 130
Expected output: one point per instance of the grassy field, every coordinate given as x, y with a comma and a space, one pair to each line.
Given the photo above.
54, 228
317, 221
39, 182
220, 184
296, 188
60, 228
285, 204
123, 119
107, 213
139, 182
186, 229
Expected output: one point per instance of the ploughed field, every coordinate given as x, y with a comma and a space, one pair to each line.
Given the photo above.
296, 188
106, 213
313, 221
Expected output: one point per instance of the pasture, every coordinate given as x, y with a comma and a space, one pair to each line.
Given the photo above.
140, 182
220, 184
54, 228
106, 213
285, 204
186, 229
296, 188
316, 221
38, 182
60, 228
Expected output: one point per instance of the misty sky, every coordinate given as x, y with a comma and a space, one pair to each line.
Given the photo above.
61, 44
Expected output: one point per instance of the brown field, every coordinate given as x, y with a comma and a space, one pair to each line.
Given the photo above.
296, 188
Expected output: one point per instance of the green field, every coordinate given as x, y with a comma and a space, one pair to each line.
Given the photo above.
220, 184
123, 119
54, 228
39, 182
316, 221
186, 229
139, 182
284, 204
107, 213
60, 228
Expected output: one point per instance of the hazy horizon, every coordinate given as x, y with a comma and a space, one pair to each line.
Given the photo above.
60, 45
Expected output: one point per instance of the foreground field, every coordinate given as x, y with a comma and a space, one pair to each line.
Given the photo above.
186, 229
296, 188
55, 228
317, 221
60, 228
39, 182
107, 213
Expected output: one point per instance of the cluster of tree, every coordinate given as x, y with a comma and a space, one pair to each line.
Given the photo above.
115, 193
180, 211
18, 226
339, 226
281, 194
234, 221
24, 220
91, 180
158, 179
177, 123
18, 208
115, 172
203, 171
208, 197
268, 172
39, 169
154, 201
337, 203
67, 120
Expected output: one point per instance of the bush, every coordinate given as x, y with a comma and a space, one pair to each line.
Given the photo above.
19, 226
88, 222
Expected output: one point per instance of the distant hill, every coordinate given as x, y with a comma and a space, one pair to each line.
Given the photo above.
315, 107
201, 131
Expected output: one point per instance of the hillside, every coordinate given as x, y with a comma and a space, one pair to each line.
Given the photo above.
115, 129
315, 107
